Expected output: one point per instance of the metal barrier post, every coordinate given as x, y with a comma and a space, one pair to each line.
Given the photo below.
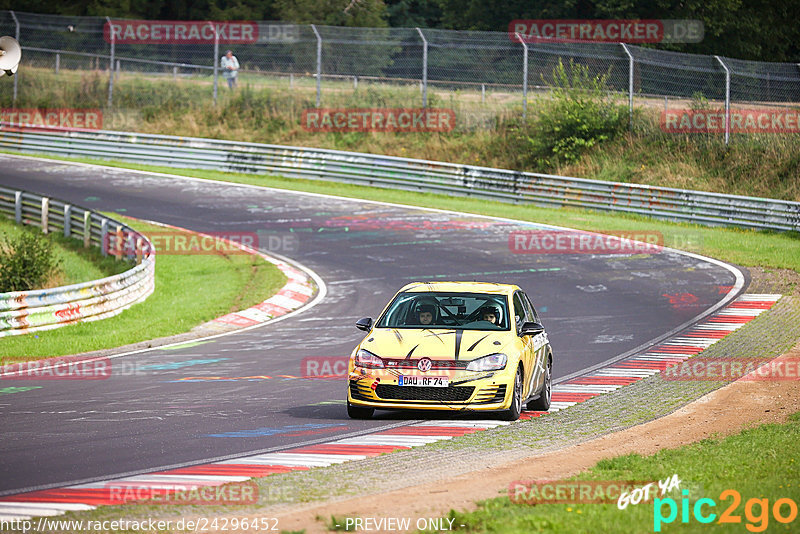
319, 62
524, 78
104, 237
16, 76
45, 214
630, 83
67, 220
727, 99
87, 229
111, 63
424, 69
18, 207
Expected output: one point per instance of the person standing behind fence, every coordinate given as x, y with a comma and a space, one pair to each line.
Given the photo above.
230, 68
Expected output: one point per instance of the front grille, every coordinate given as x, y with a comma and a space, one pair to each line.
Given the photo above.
448, 394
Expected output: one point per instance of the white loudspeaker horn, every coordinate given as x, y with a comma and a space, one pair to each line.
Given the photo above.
10, 55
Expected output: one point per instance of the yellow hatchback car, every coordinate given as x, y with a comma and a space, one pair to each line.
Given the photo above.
452, 346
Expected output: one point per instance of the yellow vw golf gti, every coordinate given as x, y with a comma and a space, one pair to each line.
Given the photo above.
452, 346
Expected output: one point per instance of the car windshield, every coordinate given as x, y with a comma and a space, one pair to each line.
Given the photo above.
464, 311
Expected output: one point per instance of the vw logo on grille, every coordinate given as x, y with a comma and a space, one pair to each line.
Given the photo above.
425, 365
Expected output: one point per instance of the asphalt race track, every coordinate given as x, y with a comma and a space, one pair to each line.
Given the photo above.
144, 417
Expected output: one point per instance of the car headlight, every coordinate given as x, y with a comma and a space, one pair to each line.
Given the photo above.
492, 362
365, 358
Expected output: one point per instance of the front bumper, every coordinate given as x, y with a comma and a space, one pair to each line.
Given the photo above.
381, 390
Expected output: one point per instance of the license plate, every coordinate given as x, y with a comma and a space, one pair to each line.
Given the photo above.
423, 381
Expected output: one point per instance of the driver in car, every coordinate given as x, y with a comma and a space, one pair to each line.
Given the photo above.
425, 312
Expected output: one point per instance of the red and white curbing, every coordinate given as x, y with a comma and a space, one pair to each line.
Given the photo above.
88, 496
294, 294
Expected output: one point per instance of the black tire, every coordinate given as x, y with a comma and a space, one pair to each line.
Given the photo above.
542, 404
359, 412
513, 412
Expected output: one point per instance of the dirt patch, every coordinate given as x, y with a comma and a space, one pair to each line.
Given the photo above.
726, 411
783, 281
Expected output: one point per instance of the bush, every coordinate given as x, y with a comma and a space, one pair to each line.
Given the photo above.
26, 262
580, 115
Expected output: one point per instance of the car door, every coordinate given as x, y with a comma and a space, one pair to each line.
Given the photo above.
539, 344
528, 354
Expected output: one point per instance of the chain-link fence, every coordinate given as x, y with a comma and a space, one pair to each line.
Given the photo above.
67, 62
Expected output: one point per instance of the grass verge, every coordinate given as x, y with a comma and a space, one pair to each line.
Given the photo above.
181, 301
759, 463
75, 263
772, 250
267, 109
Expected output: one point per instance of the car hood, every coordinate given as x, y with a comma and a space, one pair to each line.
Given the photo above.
436, 344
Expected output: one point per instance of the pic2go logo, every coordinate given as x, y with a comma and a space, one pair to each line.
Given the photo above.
756, 511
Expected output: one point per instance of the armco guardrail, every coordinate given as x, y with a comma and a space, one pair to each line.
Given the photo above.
711, 209
28, 311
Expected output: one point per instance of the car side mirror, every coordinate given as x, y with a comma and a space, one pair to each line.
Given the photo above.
531, 329
364, 324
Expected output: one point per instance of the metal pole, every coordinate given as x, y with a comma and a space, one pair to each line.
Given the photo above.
630, 83
319, 62
58, 62
524, 78
424, 69
216, 62
16, 76
111, 64
727, 99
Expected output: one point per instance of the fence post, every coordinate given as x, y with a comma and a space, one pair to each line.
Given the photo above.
727, 99
424, 69
16, 76
216, 62
111, 63
119, 68
630, 84
524, 77
319, 62
58, 62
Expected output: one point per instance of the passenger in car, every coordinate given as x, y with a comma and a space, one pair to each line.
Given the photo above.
490, 313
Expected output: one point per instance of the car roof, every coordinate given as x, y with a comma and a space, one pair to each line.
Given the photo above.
460, 287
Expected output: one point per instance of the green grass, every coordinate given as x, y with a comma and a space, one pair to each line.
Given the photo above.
744, 247
190, 290
76, 264
759, 463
